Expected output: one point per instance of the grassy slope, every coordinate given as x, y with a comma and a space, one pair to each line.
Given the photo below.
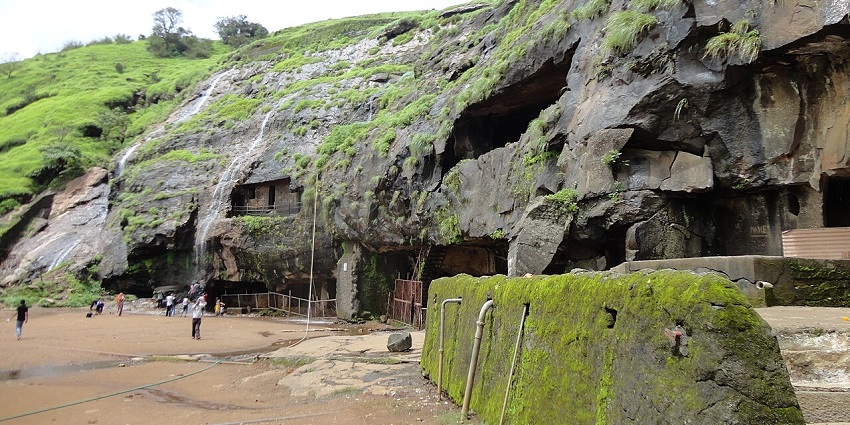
75, 86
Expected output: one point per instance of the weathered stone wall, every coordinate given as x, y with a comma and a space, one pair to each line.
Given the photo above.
795, 281
594, 350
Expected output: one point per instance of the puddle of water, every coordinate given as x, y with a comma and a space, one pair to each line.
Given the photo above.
59, 370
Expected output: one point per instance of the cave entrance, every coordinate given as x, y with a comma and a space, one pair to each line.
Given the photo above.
479, 259
504, 117
243, 297
615, 247
276, 197
836, 202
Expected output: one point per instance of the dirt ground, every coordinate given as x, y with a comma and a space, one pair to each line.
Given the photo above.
144, 368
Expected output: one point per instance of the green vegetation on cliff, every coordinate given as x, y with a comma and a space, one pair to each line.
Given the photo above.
66, 98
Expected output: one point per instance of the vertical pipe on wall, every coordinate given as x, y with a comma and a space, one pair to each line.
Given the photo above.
442, 326
476, 347
513, 362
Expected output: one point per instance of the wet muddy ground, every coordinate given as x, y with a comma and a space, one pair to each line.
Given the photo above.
144, 368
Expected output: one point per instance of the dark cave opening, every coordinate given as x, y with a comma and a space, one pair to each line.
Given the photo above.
91, 131
615, 246
477, 259
836, 202
505, 116
483, 258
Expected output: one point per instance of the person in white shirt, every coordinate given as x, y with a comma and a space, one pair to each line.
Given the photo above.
197, 314
185, 306
169, 305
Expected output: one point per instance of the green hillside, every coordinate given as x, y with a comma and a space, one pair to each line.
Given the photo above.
69, 102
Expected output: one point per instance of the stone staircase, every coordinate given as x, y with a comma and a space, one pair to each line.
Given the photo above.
815, 344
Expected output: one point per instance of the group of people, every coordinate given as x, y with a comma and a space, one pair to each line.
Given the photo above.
22, 312
98, 304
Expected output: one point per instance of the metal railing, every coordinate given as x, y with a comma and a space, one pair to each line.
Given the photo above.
281, 302
289, 208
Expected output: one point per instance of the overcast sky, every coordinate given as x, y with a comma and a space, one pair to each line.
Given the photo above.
28, 27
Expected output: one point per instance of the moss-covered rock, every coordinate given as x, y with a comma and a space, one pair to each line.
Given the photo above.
595, 350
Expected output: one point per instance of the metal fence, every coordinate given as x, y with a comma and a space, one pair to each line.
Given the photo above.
288, 208
282, 302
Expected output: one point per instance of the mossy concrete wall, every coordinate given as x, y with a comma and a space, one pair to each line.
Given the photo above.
594, 350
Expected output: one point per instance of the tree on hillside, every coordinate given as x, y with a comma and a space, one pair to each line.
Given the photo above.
166, 21
57, 157
236, 31
114, 123
8, 63
168, 39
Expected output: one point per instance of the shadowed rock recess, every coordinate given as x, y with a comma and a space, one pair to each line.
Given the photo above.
509, 137
596, 348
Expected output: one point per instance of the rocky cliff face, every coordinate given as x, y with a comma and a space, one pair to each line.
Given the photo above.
518, 137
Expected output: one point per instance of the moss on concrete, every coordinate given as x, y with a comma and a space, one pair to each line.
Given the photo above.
816, 283
594, 350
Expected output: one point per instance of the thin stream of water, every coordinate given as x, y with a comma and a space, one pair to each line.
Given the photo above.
199, 103
220, 199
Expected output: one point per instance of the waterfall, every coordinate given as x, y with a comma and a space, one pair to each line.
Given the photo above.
198, 104
221, 195
61, 256
122, 162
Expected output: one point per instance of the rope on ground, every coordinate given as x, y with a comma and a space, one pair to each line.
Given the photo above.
62, 406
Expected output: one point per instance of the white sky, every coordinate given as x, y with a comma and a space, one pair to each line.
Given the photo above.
28, 27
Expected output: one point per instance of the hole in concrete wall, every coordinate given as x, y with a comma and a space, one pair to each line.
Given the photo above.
836, 202
612, 317
502, 118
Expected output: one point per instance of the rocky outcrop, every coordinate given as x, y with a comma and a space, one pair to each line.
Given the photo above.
69, 237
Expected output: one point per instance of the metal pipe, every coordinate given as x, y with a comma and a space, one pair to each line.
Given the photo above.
476, 346
513, 363
442, 326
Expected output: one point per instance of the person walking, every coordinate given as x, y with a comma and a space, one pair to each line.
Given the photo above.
197, 314
119, 302
169, 305
23, 317
185, 306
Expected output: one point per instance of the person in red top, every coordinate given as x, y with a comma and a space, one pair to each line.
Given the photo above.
23, 317
119, 302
